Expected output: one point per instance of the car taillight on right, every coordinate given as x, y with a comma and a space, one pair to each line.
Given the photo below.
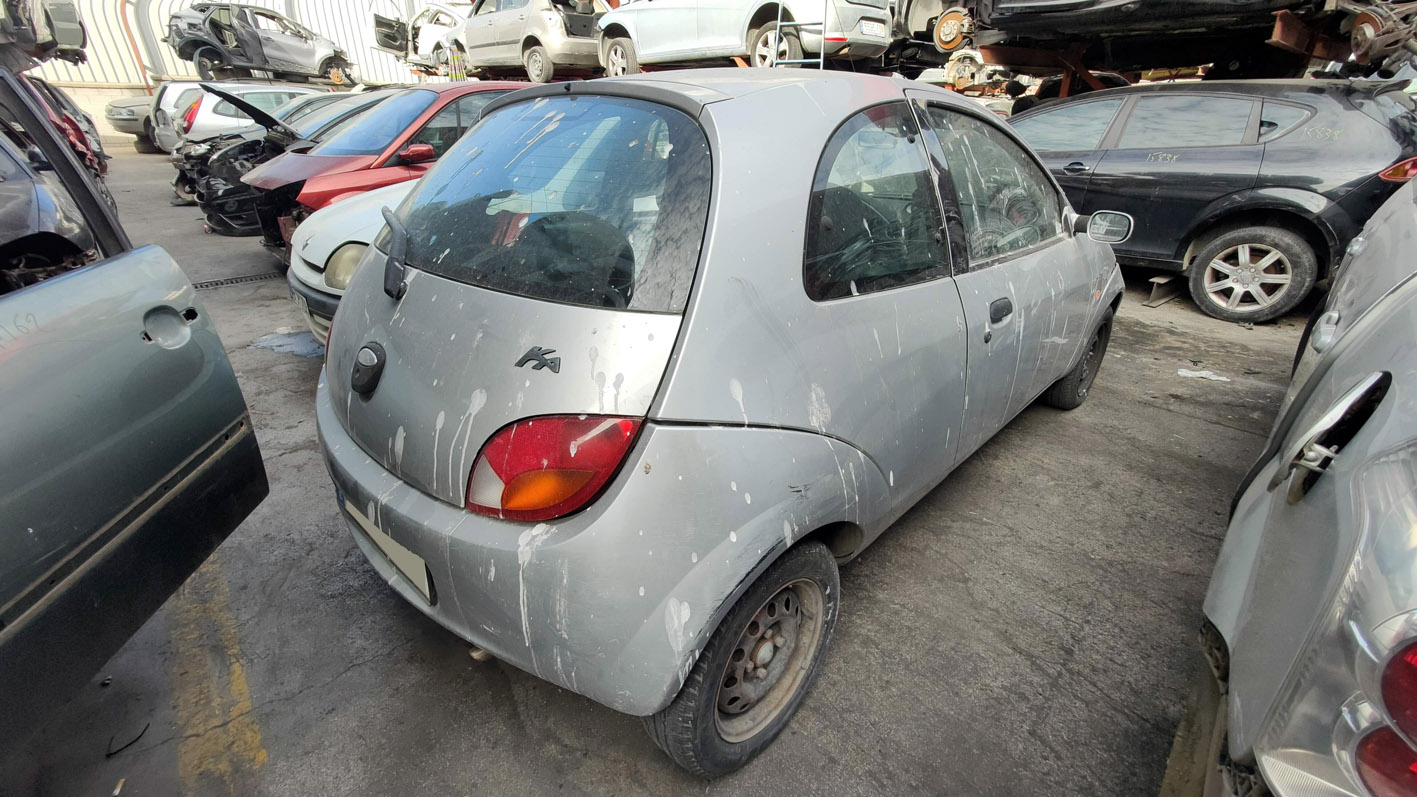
1386, 764
1400, 172
190, 117
545, 467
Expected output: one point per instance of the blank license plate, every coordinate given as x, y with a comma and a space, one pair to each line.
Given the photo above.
869, 28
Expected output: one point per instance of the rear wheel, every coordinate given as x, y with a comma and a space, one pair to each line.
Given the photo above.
757, 667
144, 141
620, 58
207, 61
1252, 273
537, 61
770, 47
1071, 391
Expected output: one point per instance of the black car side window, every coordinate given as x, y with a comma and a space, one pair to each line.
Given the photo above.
1069, 128
1007, 202
873, 221
1187, 120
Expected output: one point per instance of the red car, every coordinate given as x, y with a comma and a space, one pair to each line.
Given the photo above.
396, 141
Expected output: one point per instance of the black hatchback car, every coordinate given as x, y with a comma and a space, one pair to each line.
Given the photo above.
1253, 188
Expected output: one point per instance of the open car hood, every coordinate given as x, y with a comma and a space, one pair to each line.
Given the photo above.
260, 117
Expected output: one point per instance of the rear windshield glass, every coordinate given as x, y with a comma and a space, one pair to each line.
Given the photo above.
595, 201
377, 129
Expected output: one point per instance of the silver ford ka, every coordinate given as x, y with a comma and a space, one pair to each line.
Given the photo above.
642, 361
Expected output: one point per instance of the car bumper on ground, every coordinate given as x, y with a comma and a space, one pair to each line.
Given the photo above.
317, 304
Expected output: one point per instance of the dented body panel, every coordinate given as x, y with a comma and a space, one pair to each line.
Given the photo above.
767, 415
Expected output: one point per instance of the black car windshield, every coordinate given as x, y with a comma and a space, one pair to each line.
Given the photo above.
594, 201
375, 130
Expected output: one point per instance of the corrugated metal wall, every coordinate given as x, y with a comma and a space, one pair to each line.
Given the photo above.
114, 62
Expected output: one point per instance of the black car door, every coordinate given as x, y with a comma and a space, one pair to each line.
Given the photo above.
1068, 138
1176, 154
129, 453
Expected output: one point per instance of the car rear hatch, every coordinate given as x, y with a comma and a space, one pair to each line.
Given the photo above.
549, 257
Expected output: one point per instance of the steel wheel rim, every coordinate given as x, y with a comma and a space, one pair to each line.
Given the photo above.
1248, 278
533, 64
768, 41
1090, 363
780, 642
617, 60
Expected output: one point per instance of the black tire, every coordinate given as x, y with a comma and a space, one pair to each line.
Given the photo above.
1071, 391
691, 729
1246, 251
789, 47
143, 143
537, 61
207, 61
620, 58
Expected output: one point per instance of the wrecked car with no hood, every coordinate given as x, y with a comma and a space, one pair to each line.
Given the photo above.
213, 169
621, 381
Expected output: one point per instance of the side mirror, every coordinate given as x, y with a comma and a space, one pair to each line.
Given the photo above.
37, 160
417, 153
1105, 226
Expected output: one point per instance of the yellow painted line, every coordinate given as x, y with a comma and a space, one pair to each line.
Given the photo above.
220, 739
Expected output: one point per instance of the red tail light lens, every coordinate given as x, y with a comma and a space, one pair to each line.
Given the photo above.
1386, 764
543, 468
190, 118
1400, 172
1399, 685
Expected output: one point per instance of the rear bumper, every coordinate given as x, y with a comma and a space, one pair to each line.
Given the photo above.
51, 650
574, 51
858, 44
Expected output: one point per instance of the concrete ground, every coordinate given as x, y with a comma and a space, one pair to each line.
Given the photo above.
1028, 628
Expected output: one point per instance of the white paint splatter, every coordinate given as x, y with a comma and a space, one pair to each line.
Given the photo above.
676, 620
694, 557
733, 486
748, 497
877, 336
735, 389
642, 592
437, 430
733, 536
492, 571
527, 543
819, 412
398, 448
787, 532
892, 478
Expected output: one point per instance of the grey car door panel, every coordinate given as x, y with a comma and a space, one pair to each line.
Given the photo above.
508, 25
665, 29
479, 37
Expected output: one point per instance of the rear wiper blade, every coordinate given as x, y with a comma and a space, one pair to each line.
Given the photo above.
394, 267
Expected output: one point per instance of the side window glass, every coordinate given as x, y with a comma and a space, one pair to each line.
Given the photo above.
1071, 128
1006, 201
470, 108
442, 131
1186, 120
873, 222
1277, 118
485, 7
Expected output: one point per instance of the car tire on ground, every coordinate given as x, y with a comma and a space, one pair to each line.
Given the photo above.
726, 713
1252, 273
620, 58
144, 143
764, 39
537, 61
207, 61
1071, 391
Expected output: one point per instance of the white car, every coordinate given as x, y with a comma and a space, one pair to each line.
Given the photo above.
174, 115
325, 249
425, 40
686, 31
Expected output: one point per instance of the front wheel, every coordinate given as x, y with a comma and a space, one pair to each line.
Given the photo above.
769, 47
1252, 274
207, 62
538, 64
756, 669
620, 58
1071, 391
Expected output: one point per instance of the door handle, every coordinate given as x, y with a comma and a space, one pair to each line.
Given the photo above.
1076, 167
999, 309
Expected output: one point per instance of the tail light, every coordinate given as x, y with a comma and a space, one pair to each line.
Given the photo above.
190, 118
1400, 172
1386, 764
546, 467
1399, 686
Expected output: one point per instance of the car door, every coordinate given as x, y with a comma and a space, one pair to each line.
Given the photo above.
248, 37
508, 24
392, 35
879, 272
480, 34
665, 29
1176, 154
1068, 138
427, 32
448, 125
129, 453
280, 41
1025, 285
721, 26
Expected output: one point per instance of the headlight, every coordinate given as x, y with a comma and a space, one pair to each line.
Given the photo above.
340, 267
121, 112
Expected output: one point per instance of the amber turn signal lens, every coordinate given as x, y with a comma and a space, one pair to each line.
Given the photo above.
539, 489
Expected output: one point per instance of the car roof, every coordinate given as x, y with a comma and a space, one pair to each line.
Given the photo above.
469, 86
1270, 88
